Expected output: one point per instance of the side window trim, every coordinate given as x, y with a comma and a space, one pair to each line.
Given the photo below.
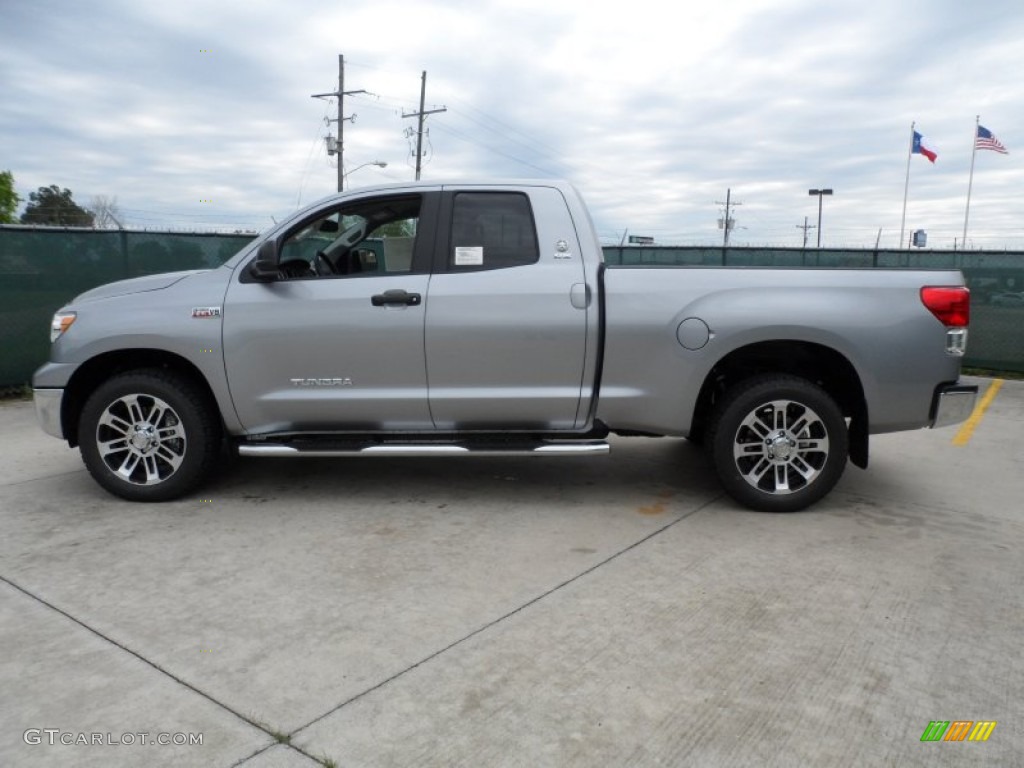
423, 246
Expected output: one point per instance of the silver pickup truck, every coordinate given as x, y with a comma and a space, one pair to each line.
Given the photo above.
479, 319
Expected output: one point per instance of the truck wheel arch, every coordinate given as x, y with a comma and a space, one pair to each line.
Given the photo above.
96, 370
822, 365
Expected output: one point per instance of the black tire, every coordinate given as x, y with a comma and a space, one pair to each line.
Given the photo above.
159, 433
778, 443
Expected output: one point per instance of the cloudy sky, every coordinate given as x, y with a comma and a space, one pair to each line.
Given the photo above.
197, 114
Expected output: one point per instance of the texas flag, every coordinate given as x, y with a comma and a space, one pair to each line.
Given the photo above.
921, 147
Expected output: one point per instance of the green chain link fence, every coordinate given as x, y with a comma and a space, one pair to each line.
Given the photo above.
41, 269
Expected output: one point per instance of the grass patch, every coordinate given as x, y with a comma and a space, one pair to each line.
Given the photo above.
1012, 375
280, 736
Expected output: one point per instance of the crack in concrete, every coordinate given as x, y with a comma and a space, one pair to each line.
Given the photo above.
184, 683
510, 614
265, 729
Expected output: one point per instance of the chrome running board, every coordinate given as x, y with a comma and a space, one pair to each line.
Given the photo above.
549, 448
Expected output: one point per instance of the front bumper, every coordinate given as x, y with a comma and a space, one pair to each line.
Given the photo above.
952, 404
48, 406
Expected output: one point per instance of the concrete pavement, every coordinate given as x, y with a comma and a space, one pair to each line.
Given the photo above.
601, 611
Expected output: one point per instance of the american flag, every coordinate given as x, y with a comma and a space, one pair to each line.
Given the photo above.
986, 140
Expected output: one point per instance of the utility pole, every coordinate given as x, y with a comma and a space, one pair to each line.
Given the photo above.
421, 114
728, 223
805, 226
340, 94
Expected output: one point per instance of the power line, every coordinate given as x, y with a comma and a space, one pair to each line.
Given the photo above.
395, 103
505, 131
192, 215
309, 159
533, 141
533, 145
444, 128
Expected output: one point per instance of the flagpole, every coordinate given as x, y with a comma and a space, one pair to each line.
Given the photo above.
906, 184
970, 183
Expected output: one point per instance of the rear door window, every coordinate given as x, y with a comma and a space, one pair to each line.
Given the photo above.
492, 230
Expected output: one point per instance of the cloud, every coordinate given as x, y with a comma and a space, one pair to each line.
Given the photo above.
652, 112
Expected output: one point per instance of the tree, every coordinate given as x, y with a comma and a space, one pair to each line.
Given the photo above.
8, 198
53, 206
105, 211
400, 228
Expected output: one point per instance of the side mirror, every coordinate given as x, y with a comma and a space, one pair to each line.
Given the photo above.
264, 267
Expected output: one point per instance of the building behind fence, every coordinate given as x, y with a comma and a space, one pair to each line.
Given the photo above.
41, 269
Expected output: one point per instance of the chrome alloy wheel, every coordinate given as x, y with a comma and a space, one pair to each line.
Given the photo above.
781, 447
140, 438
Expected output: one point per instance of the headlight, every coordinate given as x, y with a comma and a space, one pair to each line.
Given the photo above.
61, 322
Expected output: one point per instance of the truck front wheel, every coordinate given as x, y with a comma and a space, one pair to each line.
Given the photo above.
778, 443
148, 435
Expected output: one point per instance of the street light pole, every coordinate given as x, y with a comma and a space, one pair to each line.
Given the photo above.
820, 193
378, 163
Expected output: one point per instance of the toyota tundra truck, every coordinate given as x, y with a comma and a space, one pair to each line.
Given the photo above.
480, 319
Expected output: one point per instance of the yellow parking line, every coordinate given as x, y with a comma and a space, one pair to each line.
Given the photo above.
964, 435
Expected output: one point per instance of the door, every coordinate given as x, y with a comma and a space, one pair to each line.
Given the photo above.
506, 325
336, 342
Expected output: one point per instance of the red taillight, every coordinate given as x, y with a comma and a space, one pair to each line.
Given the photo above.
950, 304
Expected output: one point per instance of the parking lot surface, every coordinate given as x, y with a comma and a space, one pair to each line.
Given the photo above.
611, 610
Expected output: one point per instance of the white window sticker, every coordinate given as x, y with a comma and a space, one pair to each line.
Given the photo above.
469, 256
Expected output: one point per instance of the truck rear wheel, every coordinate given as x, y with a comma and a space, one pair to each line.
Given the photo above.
779, 443
149, 435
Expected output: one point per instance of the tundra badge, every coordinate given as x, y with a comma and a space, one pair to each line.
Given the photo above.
346, 382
